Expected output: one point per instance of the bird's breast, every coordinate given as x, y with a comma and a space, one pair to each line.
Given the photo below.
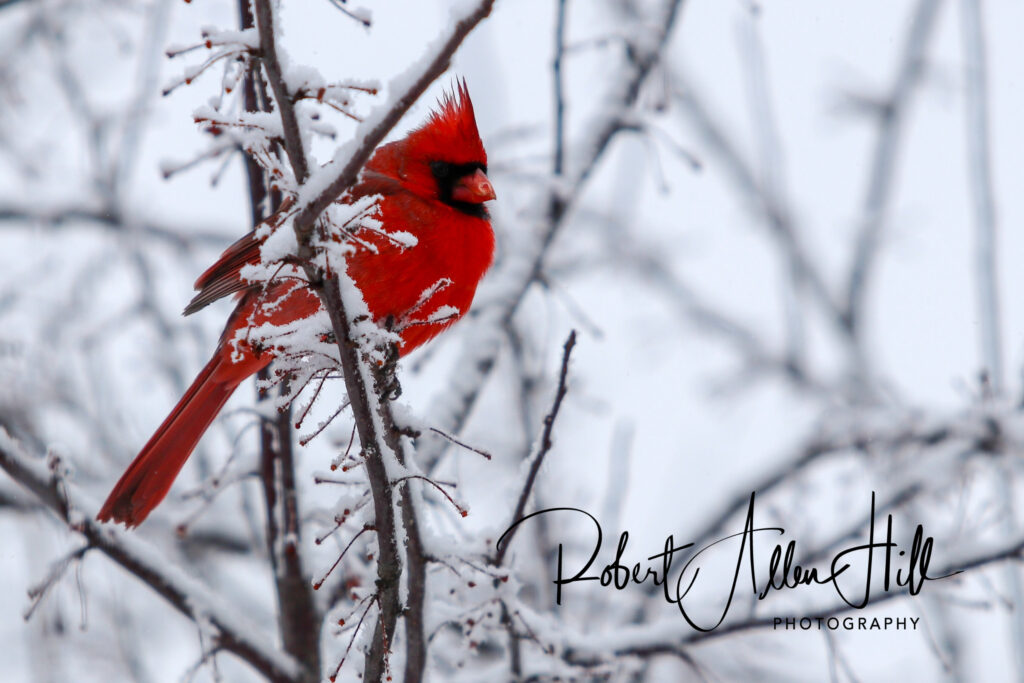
428, 286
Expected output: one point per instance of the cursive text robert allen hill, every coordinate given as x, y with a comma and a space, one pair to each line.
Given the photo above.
782, 573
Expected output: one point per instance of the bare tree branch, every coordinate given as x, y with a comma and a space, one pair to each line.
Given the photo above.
972, 431
986, 270
777, 215
299, 620
891, 114
187, 595
545, 446
520, 273
286, 108
367, 405
180, 238
986, 265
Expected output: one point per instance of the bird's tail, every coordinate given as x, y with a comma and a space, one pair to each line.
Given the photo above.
148, 479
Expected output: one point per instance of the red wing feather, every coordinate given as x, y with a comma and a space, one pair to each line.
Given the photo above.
224, 276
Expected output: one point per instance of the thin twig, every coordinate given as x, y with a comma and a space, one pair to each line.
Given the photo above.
558, 82
449, 437
185, 594
986, 268
592, 145
891, 113
545, 446
285, 106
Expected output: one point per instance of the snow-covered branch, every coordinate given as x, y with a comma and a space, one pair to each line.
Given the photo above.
228, 630
382, 446
328, 183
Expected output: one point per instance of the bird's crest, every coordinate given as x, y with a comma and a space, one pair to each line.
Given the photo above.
451, 133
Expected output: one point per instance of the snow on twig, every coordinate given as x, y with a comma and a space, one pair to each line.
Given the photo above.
186, 594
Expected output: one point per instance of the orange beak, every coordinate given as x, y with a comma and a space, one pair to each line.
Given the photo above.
473, 189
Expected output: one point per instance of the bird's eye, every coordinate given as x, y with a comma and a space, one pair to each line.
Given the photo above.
440, 169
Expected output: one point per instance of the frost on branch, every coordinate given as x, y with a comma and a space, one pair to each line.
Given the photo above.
257, 133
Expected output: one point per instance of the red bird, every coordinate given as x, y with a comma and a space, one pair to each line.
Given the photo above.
433, 185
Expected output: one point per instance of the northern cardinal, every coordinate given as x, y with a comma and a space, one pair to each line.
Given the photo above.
433, 184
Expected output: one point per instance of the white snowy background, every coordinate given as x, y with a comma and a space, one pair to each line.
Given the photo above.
667, 417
